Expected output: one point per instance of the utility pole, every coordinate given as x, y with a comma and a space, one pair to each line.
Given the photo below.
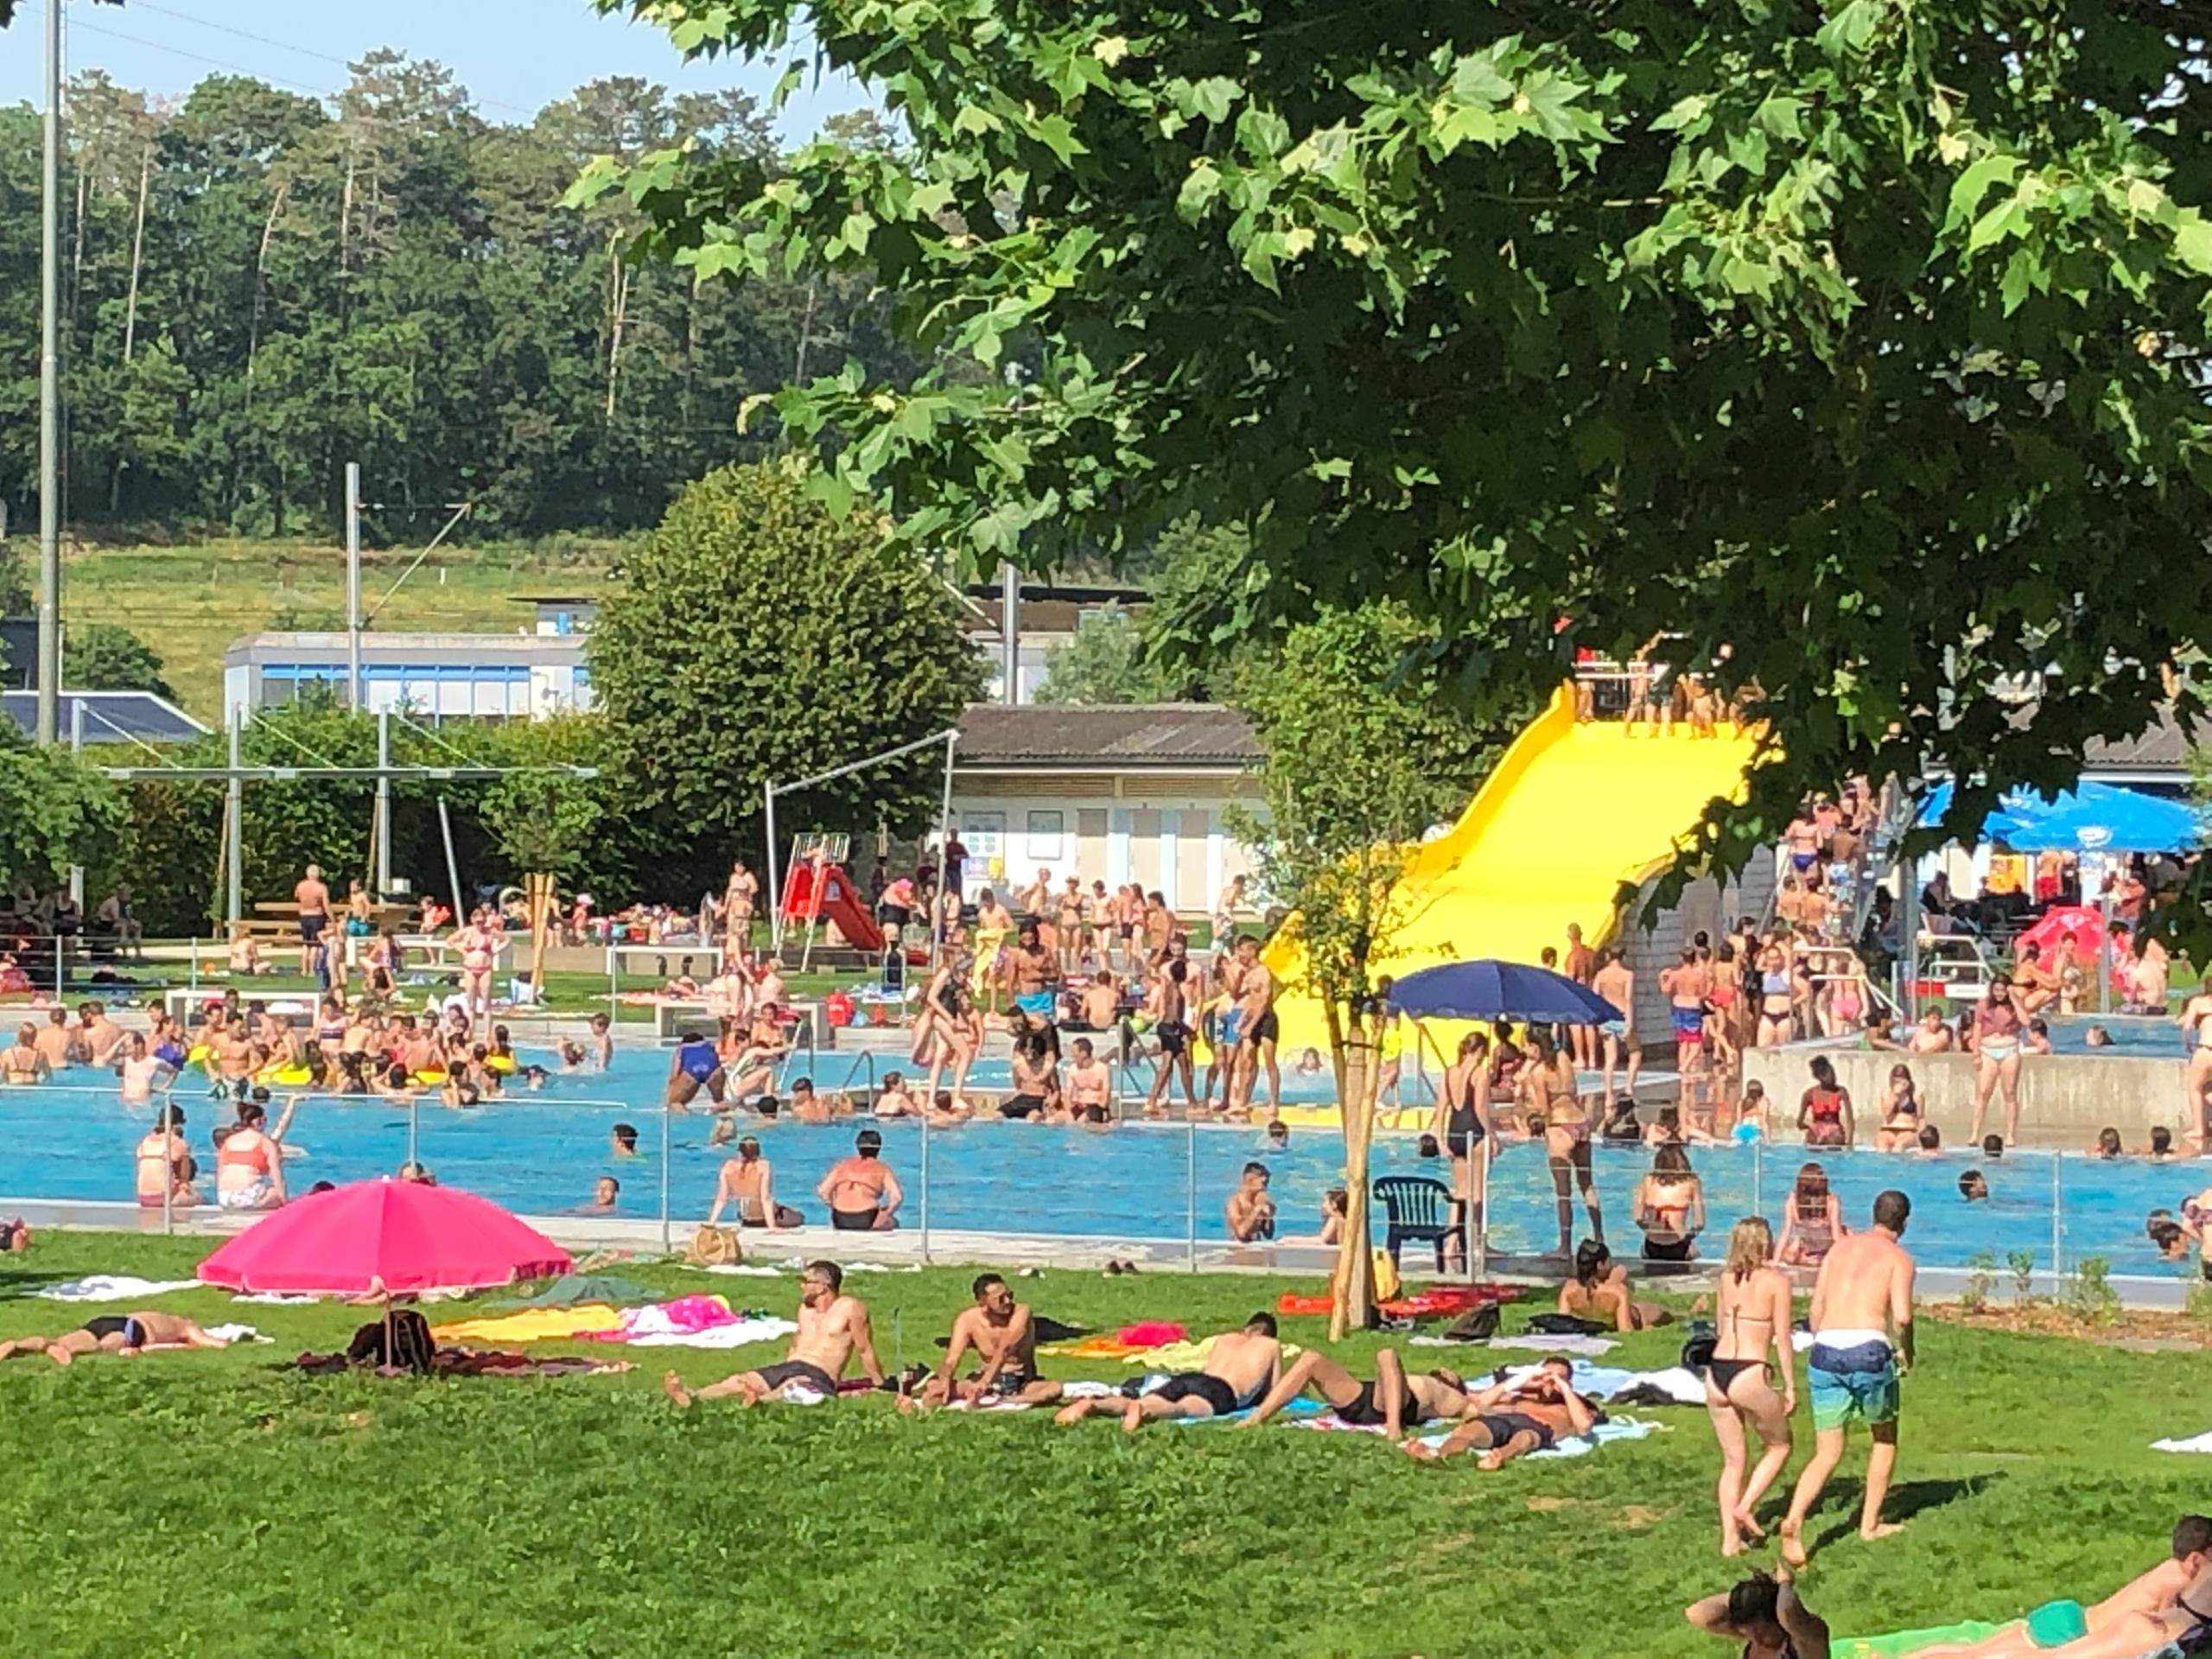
49, 397
353, 586
1010, 634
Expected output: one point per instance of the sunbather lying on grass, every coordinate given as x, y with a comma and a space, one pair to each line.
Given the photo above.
116, 1333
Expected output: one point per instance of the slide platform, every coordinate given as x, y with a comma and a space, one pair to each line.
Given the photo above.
1572, 811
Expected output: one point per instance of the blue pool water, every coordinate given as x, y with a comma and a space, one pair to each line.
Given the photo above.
540, 1154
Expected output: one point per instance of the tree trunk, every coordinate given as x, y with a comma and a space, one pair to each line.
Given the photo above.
260, 276
621, 286
805, 336
1352, 1287
138, 253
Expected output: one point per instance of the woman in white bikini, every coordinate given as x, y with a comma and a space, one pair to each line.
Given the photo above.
1753, 1314
1775, 1000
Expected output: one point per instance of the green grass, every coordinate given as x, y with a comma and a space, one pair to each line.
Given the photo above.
189, 1504
191, 602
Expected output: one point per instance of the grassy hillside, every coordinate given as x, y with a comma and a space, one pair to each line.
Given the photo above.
191, 602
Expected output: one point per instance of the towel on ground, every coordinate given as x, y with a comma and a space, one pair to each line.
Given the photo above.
573, 1290
685, 1316
1577, 1446
1171, 1356
1591, 1347
743, 1270
538, 1325
740, 1334
276, 1298
237, 1333
111, 1288
2194, 1443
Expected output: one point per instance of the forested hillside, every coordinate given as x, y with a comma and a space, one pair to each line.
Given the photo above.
258, 286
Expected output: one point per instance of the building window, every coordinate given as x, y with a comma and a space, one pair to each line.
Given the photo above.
1046, 830
984, 834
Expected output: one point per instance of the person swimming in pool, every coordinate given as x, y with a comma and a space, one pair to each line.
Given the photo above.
695, 1065
832, 1328
127, 1334
1240, 1368
862, 1193
1250, 1212
1514, 1419
1395, 1400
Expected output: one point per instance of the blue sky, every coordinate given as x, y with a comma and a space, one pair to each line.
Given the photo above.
513, 55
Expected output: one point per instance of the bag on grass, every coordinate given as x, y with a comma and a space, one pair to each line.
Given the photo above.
715, 1247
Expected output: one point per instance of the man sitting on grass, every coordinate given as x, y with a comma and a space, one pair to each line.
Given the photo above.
832, 1327
1394, 1399
1240, 1366
1515, 1419
127, 1334
1003, 1335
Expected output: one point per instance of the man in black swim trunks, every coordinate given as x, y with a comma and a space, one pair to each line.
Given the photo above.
116, 1333
1515, 1419
1252, 992
1394, 1399
1240, 1366
832, 1327
1002, 1334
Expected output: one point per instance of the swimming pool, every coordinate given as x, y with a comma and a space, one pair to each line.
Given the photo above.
540, 1155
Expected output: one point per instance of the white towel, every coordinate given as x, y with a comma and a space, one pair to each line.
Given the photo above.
1590, 1347
276, 1298
743, 1334
111, 1287
2194, 1443
238, 1333
743, 1270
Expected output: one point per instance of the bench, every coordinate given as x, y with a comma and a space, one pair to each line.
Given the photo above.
1416, 1210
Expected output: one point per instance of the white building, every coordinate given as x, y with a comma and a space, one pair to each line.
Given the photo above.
436, 677
1110, 794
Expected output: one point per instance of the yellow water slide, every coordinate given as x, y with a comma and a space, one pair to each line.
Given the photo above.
1572, 811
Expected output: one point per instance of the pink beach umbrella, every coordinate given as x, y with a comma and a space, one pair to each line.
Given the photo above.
384, 1238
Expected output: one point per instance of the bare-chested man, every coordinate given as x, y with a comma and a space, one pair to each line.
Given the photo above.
1617, 984
1581, 967
1396, 1399
313, 897
1033, 971
1932, 1035
1252, 1005
127, 1334
60, 1042
832, 1328
1240, 1366
1090, 1084
1688, 984
1514, 1419
1002, 1334
1862, 1346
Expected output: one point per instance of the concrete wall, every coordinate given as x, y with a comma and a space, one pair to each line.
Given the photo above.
1706, 906
2064, 1098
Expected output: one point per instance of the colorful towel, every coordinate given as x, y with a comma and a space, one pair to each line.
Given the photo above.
685, 1316
1907, 1642
1577, 1446
111, 1287
538, 1325
1153, 1334
740, 1333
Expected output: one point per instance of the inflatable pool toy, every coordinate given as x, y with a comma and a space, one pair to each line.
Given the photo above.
199, 1055
284, 1076
499, 1063
430, 1075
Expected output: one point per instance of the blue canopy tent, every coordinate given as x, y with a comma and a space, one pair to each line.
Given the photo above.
2089, 817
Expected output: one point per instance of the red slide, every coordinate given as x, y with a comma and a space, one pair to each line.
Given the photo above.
841, 903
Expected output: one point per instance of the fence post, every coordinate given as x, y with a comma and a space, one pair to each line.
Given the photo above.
2058, 1216
1191, 1189
925, 1188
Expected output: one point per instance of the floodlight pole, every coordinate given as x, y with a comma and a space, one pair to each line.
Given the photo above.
384, 803
354, 587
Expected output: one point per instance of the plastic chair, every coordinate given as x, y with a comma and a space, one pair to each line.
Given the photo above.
1416, 1210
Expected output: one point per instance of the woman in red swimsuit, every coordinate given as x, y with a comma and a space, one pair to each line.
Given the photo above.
1824, 1112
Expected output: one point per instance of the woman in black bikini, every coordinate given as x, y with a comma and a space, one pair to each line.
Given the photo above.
1764, 1614
1463, 1123
1753, 1312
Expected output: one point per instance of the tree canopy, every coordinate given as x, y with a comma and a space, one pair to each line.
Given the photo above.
754, 636
104, 657
1856, 344
258, 286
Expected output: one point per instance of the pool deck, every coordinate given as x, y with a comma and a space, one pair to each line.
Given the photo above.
906, 1248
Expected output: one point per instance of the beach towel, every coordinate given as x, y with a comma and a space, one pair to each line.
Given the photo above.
1899, 1642
743, 1270
276, 1298
237, 1333
1577, 1446
538, 1325
685, 1316
573, 1290
738, 1333
1591, 1347
2194, 1443
111, 1288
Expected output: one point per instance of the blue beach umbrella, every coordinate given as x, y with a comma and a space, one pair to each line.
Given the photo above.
1499, 990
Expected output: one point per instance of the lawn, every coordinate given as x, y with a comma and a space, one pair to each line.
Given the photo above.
192, 1503
191, 602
